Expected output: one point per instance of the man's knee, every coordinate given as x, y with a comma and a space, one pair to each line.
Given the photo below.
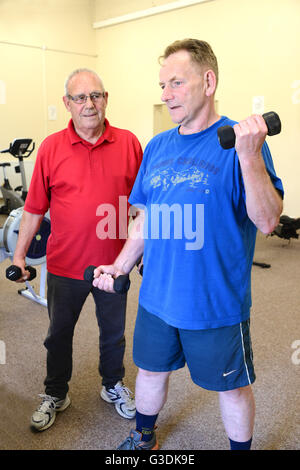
237, 394
153, 374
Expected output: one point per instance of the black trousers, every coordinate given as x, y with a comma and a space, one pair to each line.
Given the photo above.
65, 298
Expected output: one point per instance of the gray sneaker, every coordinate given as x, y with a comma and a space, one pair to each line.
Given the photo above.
121, 396
45, 414
134, 442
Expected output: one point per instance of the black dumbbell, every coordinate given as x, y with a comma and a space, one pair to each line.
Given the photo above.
226, 134
13, 273
141, 268
121, 283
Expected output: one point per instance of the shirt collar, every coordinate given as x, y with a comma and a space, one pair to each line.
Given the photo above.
75, 138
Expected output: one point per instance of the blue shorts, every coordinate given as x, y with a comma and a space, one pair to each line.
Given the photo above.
218, 359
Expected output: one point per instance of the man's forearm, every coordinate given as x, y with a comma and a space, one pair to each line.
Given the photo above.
264, 204
134, 246
29, 225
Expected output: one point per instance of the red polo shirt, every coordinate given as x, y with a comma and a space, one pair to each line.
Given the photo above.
86, 187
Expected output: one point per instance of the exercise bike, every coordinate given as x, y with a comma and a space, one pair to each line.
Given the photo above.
14, 206
287, 228
14, 198
36, 254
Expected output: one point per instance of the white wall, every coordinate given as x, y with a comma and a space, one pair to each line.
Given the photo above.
257, 45
256, 42
41, 42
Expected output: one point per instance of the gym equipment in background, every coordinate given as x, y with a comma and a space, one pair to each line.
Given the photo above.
14, 198
36, 254
287, 228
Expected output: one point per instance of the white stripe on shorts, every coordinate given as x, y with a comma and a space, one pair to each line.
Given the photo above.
246, 367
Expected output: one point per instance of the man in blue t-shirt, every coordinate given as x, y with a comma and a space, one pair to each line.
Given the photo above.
199, 207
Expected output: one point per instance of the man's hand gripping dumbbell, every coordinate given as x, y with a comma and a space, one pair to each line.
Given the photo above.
16, 273
107, 278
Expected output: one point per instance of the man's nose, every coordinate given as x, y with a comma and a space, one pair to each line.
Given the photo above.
166, 94
89, 102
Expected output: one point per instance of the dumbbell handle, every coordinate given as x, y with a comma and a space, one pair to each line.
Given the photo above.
121, 283
141, 269
226, 134
13, 272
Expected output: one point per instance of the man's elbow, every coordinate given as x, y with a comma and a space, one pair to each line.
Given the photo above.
269, 224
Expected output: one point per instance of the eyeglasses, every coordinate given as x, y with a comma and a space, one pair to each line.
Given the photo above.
94, 97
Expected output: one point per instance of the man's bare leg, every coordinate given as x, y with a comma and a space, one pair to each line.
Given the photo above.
238, 412
151, 391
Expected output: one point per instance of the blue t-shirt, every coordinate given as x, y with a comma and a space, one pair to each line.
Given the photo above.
199, 240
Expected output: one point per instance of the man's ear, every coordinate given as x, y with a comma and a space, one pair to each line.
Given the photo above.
106, 97
210, 82
66, 102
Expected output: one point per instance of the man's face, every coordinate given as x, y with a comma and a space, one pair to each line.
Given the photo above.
183, 88
91, 114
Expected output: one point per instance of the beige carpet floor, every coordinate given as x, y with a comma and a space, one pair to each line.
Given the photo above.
190, 420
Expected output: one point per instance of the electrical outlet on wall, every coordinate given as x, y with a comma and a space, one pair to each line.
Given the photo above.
258, 104
52, 112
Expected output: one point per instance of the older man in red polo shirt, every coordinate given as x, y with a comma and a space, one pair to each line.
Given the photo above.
88, 166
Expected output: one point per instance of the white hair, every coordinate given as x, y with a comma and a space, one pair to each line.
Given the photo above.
82, 70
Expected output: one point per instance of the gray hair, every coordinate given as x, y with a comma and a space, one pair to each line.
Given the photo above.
77, 71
